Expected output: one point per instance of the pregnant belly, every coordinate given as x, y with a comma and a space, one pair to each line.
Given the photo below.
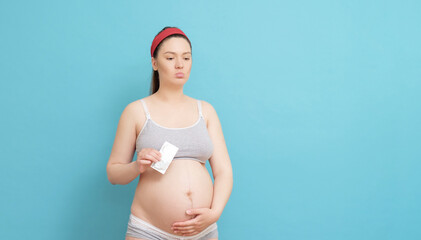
162, 199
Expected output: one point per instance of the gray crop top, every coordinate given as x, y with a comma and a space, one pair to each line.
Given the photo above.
193, 142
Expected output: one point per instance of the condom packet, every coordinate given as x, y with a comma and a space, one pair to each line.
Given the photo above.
168, 152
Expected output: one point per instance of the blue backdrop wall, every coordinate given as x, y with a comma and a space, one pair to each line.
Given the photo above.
319, 103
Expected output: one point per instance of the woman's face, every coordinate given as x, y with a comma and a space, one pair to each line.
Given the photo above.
173, 61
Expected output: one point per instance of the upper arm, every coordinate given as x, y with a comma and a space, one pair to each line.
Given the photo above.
220, 160
125, 138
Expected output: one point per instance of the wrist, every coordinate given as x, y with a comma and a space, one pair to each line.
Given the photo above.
136, 167
216, 214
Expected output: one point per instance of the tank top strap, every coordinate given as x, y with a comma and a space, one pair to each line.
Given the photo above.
199, 105
145, 108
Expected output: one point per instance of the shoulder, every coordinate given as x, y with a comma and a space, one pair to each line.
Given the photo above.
207, 107
208, 111
134, 107
134, 111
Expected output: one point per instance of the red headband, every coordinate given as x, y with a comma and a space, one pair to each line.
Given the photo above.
162, 35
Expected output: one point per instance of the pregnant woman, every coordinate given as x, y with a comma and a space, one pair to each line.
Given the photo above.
161, 205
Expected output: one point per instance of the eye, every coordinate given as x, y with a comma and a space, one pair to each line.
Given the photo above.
169, 58
187, 58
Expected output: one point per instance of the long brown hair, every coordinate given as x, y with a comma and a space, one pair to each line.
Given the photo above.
155, 75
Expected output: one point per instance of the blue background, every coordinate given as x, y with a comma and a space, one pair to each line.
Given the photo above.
319, 103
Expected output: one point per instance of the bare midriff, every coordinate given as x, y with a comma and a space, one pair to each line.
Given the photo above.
162, 199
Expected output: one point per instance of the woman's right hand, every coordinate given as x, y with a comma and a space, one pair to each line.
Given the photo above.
145, 158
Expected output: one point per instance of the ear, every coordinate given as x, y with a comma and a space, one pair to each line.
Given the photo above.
154, 64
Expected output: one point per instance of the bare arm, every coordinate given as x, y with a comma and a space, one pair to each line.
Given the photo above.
220, 163
120, 168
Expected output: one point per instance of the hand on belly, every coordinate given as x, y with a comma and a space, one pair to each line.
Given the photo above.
203, 218
164, 199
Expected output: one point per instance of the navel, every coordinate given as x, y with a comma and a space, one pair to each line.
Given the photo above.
189, 194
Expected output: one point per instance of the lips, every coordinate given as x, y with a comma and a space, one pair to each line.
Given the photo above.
179, 75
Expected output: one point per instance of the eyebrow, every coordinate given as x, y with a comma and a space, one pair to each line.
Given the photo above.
174, 52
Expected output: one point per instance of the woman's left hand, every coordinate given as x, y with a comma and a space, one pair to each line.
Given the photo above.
204, 217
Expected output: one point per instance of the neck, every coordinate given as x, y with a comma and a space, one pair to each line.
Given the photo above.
172, 95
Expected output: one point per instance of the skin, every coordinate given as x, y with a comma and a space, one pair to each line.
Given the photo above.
189, 180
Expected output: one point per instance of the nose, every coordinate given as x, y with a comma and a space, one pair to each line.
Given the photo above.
178, 63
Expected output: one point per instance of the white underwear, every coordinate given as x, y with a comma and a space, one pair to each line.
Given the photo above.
139, 228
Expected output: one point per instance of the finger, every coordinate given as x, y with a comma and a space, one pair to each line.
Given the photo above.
183, 228
186, 231
153, 151
151, 157
197, 211
190, 233
145, 162
185, 223
156, 155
